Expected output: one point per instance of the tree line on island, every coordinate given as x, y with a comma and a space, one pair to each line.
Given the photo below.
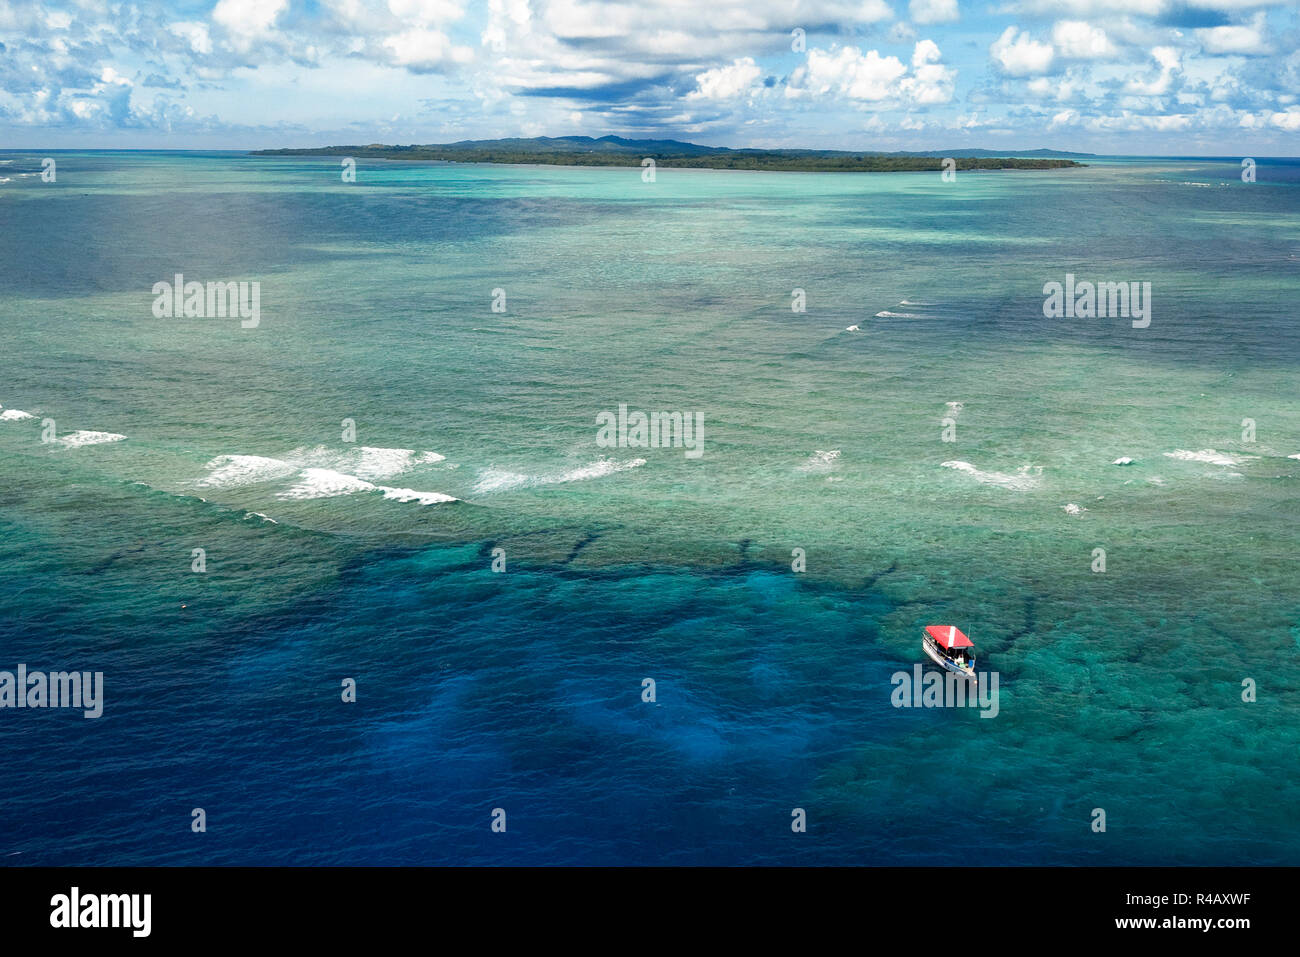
615, 151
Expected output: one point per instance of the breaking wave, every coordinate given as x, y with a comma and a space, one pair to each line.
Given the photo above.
500, 480
80, 438
316, 483
1022, 480
365, 461
1208, 456
232, 470
820, 461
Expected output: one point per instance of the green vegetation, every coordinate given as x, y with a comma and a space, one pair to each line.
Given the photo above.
700, 158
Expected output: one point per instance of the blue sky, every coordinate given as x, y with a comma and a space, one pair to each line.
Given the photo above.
1217, 77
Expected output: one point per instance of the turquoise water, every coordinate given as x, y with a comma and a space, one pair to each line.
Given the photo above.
522, 689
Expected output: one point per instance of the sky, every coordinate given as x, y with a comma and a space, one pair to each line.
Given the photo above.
1138, 77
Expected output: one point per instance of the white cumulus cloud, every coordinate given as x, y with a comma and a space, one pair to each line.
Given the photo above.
1079, 40
1019, 54
726, 82
871, 78
421, 48
246, 17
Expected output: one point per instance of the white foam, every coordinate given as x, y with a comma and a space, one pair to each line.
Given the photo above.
1122, 460
909, 302
248, 515
1073, 509
1296, 456
820, 461
954, 408
599, 469
15, 415
365, 461
410, 495
1209, 456
852, 329
234, 470
886, 314
75, 440
327, 483
1025, 478
500, 480
382, 463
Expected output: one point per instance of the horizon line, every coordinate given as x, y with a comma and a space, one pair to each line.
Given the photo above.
257, 149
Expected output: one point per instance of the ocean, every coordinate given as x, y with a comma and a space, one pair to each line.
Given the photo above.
395, 481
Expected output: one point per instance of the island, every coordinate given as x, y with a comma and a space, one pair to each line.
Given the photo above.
670, 154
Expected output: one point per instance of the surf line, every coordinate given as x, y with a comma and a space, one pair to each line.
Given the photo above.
58, 689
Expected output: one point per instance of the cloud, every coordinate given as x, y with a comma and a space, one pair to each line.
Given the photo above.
931, 82
421, 49
849, 73
245, 19
1090, 8
1288, 120
1018, 54
195, 34
426, 11
934, 11
1247, 39
359, 68
726, 82
1079, 40
1168, 60
901, 32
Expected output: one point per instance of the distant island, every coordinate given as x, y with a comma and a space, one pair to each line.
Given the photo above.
617, 151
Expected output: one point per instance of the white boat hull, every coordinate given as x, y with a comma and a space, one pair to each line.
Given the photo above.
947, 664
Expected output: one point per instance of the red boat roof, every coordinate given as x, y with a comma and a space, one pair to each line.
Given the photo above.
949, 636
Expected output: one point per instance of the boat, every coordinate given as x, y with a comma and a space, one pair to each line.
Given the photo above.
949, 649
